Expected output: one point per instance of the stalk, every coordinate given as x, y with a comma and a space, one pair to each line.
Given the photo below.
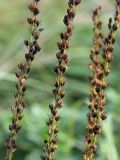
60, 69
22, 75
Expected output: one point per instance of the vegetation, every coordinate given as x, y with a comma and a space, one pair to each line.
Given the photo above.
73, 114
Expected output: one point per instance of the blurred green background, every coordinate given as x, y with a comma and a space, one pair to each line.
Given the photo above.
13, 31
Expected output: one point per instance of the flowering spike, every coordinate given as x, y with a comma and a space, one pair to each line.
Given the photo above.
60, 69
22, 75
100, 70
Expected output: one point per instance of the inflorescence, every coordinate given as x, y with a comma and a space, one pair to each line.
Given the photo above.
22, 75
100, 68
60, 69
